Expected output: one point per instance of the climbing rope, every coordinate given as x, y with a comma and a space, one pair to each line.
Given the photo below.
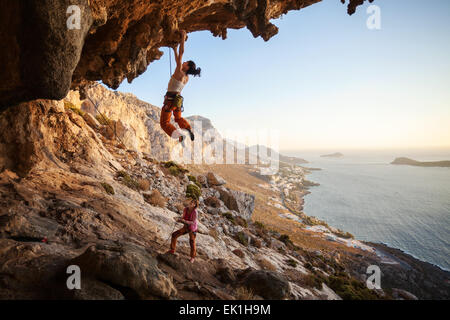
170, 235
170, 61
106, 120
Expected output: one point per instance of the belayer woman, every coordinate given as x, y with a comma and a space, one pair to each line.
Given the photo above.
189, 220
173, 101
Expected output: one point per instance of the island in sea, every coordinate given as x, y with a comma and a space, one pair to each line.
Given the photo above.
333, 155
411, 162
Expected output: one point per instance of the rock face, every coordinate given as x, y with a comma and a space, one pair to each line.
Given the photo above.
114, 40
39, 50
41, 133
135, 123
238, 201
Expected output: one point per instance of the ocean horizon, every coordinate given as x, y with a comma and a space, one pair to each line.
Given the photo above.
404, 207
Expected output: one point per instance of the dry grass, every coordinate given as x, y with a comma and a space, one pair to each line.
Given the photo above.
266, 264
212, 202
214, 233
241, 222
156, 199
242, 293
144, 184
180, 207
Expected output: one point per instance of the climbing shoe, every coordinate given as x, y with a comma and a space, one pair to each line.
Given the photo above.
191, 134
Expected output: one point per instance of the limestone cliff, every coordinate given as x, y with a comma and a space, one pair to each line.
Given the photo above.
135, 123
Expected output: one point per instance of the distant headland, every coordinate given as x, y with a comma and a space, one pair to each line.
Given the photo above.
411, 162
332, 155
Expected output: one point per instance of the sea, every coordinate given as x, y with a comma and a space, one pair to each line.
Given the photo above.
405, 207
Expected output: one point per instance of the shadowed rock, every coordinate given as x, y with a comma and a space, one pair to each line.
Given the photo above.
126, 266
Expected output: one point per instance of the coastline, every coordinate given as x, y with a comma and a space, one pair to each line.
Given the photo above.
383, 247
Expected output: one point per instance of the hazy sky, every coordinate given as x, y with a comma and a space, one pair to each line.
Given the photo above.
326, 80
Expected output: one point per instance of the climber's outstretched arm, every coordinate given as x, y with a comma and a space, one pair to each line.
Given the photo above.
179, 54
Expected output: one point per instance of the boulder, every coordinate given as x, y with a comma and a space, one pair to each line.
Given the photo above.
267, 284
212, 202
202, 180
214, 179
239, 201
126, 265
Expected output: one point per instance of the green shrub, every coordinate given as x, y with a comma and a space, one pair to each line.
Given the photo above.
242, 238
309, 266
312, 281
286, 240
70, 106
260, 225
103, 119
291, 262
194, 180
174, 171
128, 181
169, 164
108, 188
174, 168
229, 216
193, 191
349, 288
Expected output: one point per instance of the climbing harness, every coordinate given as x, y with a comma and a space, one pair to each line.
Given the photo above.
176, 101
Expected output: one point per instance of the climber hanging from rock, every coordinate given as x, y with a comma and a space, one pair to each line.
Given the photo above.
173, 101
189, 219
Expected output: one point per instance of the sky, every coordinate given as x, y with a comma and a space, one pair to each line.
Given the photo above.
325, 81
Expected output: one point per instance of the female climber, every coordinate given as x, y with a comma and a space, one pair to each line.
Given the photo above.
173, 101
189, 220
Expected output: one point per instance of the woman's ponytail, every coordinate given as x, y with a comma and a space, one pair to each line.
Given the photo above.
193, 69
